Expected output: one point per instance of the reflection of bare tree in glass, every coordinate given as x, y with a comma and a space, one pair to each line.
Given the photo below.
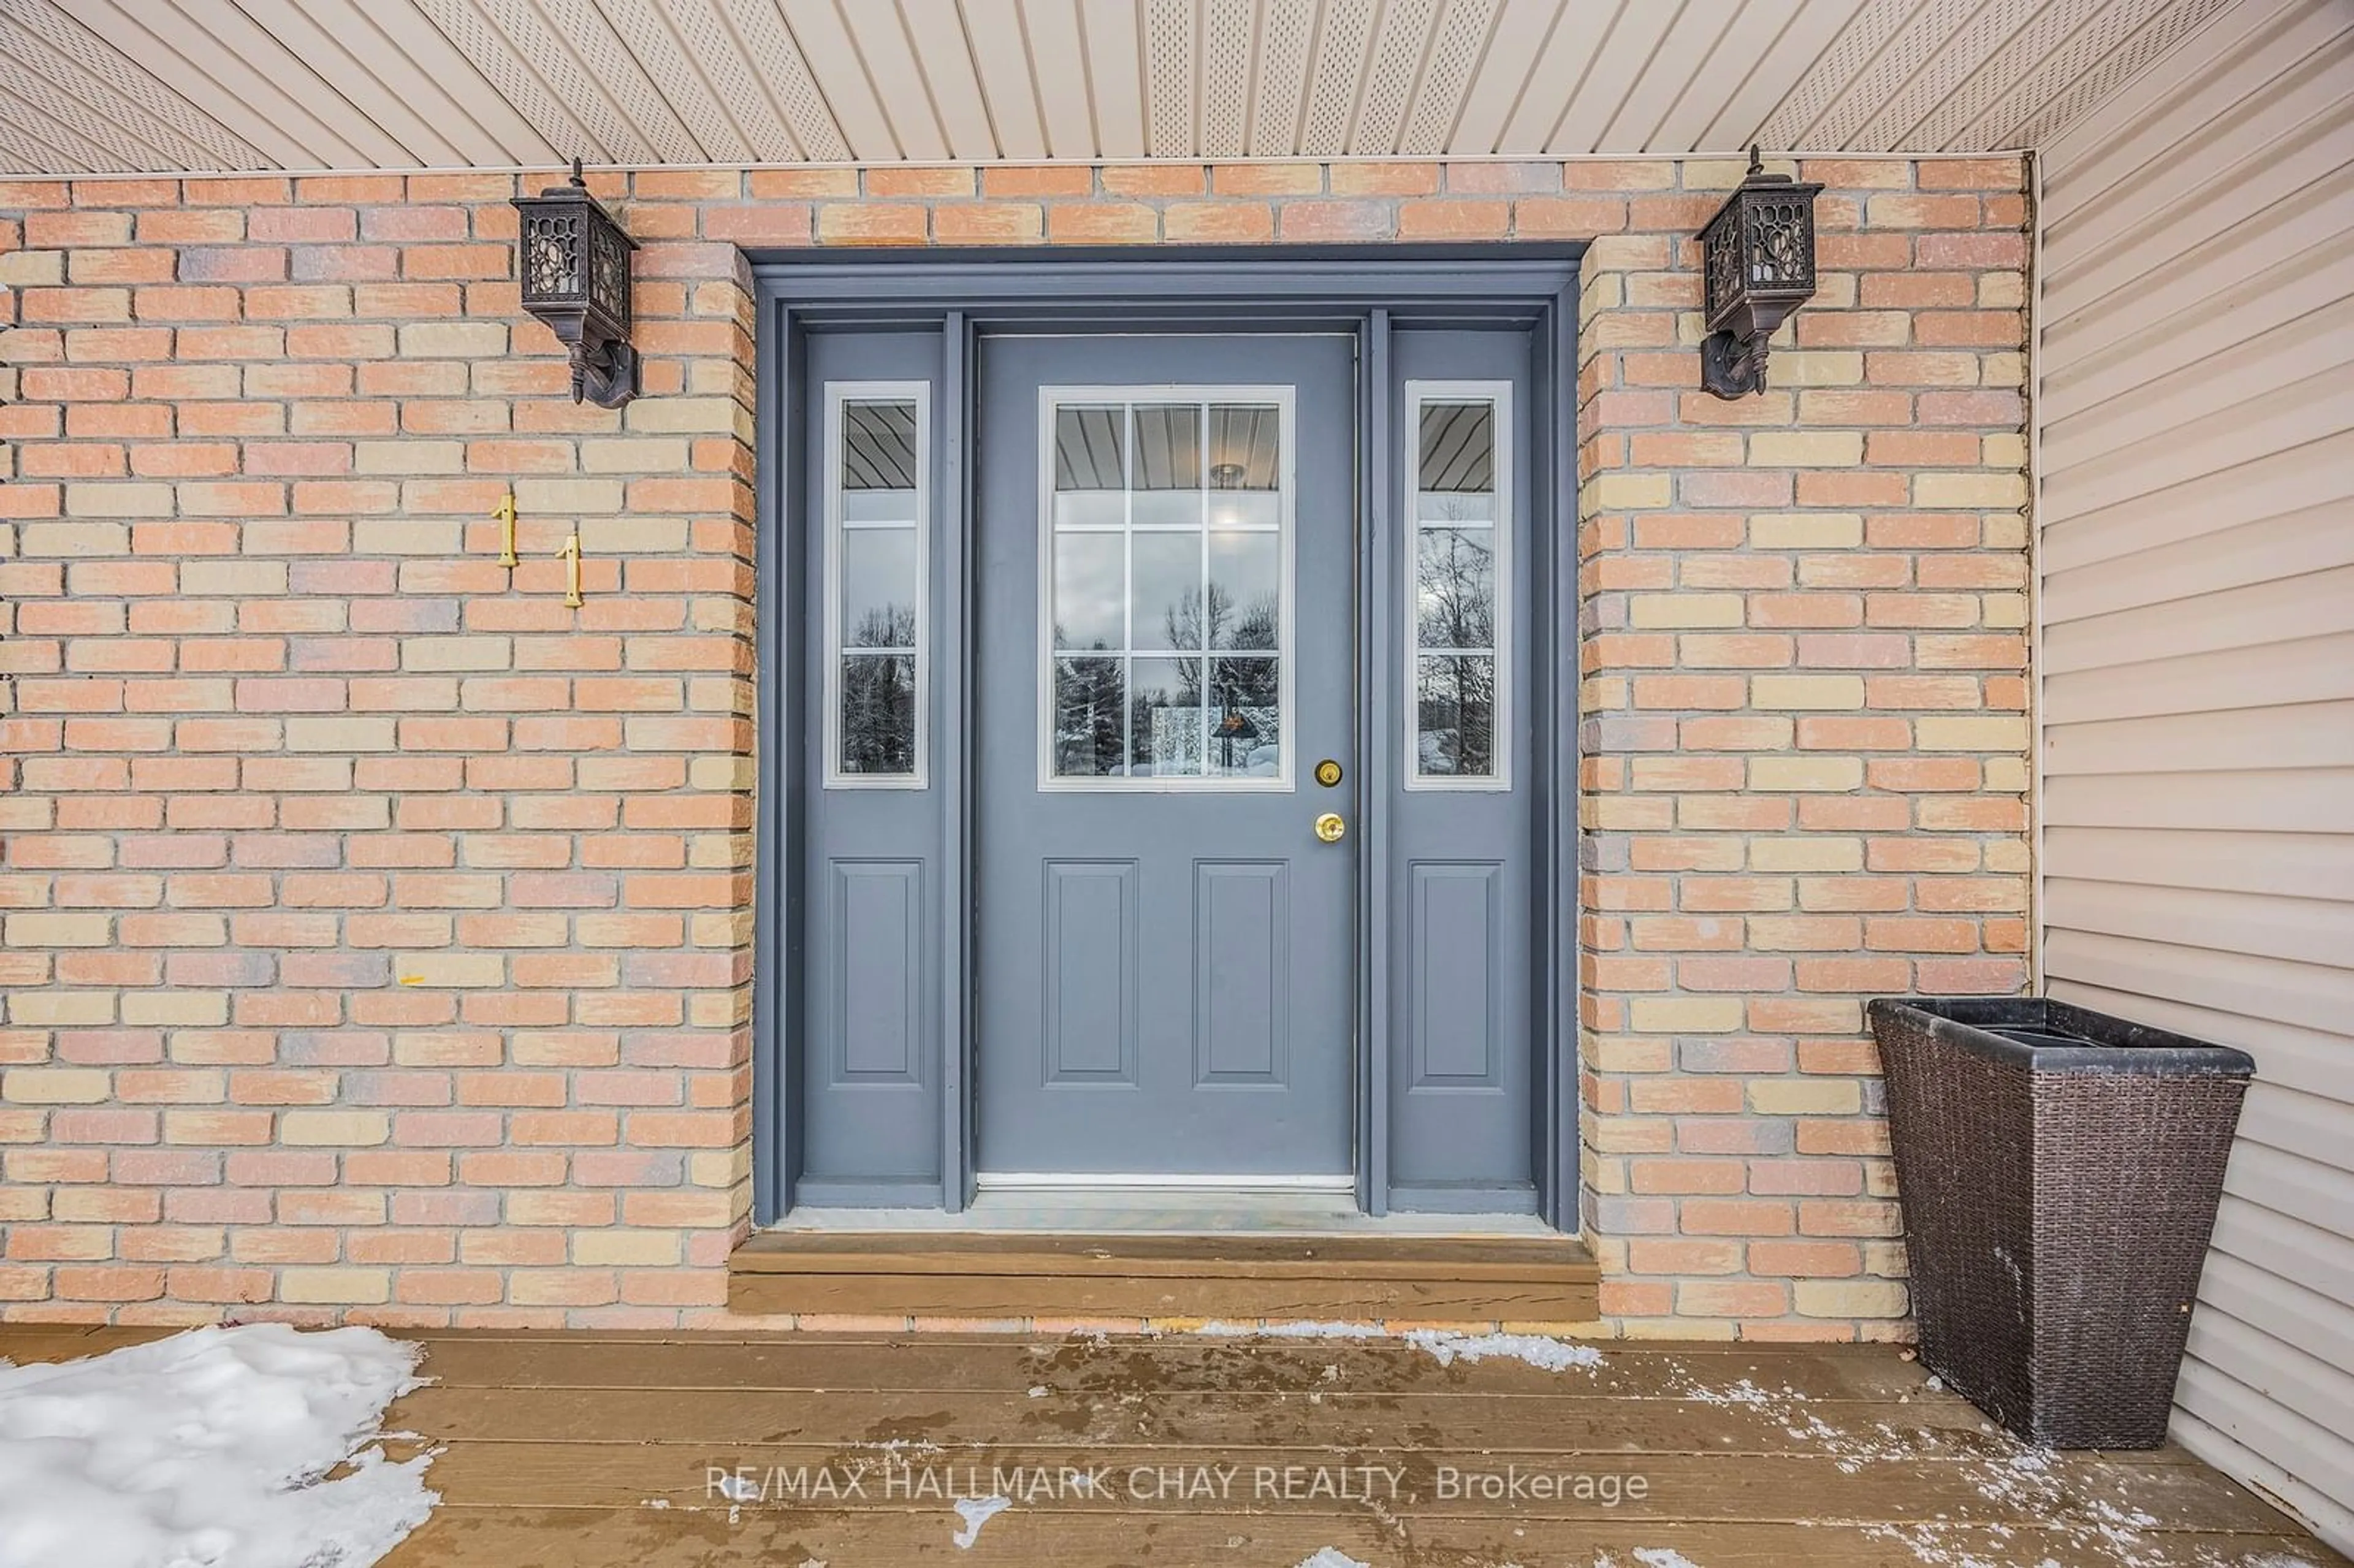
878, 715
886, 626
1458, 575
1245, 721
1456, 695
1253, 626
1088, 733
1242, 690
1456, 716
878, 694
1090, 690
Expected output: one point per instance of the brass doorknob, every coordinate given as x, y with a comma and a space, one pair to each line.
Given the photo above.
1329, 827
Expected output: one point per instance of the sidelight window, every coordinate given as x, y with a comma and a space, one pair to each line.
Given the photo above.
877, 551
1457, 661
1167, 587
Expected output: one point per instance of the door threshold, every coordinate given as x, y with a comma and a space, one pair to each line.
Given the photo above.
1000, 1277
1092, 1181
1009, 1209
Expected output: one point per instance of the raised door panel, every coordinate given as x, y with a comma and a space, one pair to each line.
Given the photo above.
1090, 971
1457, 917
878, 969
1242, 966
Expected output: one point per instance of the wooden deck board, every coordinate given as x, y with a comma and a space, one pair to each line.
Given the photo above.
1728, 1488
1343, 1419
1452, 1279
1162, 1366
573, 1450
555, 1538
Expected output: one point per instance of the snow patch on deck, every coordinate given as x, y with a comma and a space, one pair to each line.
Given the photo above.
1539, 1351
211, 1447
976, 1512
1448, 1346
2022, 1478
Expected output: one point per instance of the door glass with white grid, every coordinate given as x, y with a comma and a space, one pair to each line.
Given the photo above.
1167, 551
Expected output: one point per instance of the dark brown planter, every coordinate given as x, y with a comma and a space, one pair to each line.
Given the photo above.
2059, 1172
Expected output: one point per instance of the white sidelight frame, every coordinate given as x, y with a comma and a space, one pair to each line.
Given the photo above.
839, 396
1051, 400
1497, 395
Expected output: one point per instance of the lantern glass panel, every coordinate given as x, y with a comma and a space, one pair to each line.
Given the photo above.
552, 255
609, 271
1776, 242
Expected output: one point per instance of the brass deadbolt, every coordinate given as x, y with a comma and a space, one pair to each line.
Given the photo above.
1331, 828
1328, 773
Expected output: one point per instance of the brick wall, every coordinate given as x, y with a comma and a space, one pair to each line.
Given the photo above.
375, 930
1805, 733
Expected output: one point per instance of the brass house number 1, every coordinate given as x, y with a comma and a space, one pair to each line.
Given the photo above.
505, 518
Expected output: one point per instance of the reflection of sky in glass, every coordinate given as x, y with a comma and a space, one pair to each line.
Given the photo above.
1168, 509
1246, 585
1456, 507
878, 506
1090, 509
1089, 571
1166, 586
1245, 509
878, 583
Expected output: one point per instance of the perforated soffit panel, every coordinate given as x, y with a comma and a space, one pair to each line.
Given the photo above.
131, 85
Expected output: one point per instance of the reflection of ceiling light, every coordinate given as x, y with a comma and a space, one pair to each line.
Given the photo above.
1226, 475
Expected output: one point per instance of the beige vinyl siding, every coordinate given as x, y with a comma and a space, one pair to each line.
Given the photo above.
2197, 559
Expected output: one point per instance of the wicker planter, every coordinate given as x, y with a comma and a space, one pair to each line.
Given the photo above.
2059, 1172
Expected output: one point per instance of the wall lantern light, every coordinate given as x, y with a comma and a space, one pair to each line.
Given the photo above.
576, 277
1758, 266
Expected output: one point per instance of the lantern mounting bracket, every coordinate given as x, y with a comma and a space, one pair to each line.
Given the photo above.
1757, 267
574, 261
1731, 367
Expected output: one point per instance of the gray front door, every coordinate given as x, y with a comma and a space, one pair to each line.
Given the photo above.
1165, 547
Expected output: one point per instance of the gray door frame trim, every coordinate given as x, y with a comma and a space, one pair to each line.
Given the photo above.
1375, 616
1370, 290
